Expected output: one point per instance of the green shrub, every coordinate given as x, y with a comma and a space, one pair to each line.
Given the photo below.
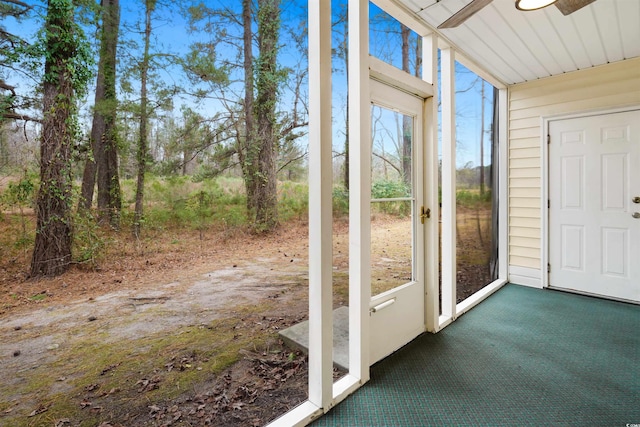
231, 216
88, 242
387, 189
181, 202
340, 199
21, 196
470, 198
293, 200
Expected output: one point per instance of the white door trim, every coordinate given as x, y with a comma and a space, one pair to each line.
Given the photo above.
544, 229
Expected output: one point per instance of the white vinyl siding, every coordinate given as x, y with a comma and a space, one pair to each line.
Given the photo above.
604, 87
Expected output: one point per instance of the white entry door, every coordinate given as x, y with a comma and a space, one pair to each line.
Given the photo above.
594, 206
397, 234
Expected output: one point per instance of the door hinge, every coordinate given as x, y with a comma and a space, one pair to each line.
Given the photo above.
548, 268
548, 139
424, 214
548, 203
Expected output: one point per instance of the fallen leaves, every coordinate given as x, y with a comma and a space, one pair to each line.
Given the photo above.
148, 384
39, 410
183, 363
240, 396
109, 368
92, 387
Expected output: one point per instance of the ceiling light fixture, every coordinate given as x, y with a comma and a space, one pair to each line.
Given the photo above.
533, 4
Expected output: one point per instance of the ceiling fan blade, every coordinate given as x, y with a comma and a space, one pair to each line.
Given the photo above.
569, 6
465, 13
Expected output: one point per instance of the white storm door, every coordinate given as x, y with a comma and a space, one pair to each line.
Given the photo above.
397, 234
594, 205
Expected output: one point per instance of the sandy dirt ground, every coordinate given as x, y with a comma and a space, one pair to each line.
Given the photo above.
259, 284
139, 338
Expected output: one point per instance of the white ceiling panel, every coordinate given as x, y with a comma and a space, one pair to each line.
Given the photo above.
553, 42
609, 29
585, 23
518, 50
573, 43
517, 46
629, 17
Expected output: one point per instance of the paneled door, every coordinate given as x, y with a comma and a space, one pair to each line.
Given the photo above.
397, 308
594, 205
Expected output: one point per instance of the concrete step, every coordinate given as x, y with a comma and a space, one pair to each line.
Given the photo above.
297, 336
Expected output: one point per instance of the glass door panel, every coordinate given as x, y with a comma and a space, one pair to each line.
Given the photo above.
392, 200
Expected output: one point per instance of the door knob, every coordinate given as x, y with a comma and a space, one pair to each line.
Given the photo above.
636, 215
636, 199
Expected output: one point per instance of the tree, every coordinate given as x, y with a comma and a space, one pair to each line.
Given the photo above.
146, 94
407, 121
12, 50
247, 151
143, 144
341, 28
66, 73
258, 147
252, 95
104, 143
269, 78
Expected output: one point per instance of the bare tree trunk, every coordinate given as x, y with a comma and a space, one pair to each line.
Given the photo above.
188, 161
345, 50
143, 143
407, 122
266, 196
418, 68
89, 175
109, 189
52, 249
103, 133
248, 152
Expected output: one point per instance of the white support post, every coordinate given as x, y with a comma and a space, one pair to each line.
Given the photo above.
503, 171
320, 211
359, 190
447, 60
430, 75
430, 62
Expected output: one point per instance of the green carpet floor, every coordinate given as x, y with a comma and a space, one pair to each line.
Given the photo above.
524, 357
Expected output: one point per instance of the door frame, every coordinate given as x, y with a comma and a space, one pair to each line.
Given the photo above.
546, 182
410, 296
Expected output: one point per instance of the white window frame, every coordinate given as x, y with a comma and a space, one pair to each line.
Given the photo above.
323, 393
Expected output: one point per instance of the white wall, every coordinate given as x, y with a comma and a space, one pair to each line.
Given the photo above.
599, 88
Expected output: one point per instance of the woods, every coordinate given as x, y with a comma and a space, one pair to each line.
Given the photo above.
243, 109
181, 114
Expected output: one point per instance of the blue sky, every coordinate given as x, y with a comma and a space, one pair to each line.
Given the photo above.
172, 36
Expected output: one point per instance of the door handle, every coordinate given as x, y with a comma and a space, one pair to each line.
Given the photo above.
424, 213
380, 306
636, 215
636, 199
